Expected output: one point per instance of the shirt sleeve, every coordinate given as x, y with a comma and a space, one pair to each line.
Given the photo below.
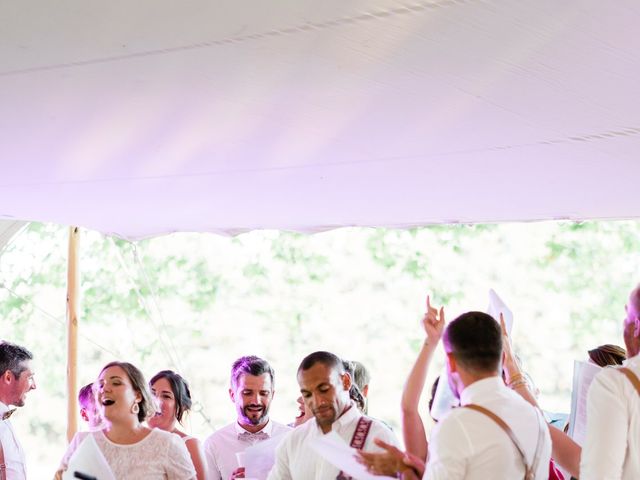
212, 465
178, 461
449, 450
280, 469
605, 447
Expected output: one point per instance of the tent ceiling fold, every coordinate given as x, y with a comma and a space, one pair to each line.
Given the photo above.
143, 118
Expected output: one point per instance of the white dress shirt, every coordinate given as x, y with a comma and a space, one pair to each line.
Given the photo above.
13, 452
467, 444
220, 447
296, 460
612, 446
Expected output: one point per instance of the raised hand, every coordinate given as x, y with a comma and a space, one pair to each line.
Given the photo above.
433, 323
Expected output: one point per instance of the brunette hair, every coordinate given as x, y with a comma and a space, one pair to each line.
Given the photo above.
146, 408
180, 389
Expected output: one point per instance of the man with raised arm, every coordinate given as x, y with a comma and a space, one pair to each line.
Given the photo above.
324, 385
612, 447
252, 390
495, 433
16, 379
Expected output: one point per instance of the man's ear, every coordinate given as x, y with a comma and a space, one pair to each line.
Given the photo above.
365, 391
346, 381
232, 395
83, 414
451, 361
7, 376
636, 327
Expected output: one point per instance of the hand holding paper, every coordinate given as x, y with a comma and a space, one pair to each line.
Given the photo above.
88, 459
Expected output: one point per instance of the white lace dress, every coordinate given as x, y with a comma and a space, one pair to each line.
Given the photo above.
158, 456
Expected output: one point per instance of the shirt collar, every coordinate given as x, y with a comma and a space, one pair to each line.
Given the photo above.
347, 417
268, 428
481, 389
3, 409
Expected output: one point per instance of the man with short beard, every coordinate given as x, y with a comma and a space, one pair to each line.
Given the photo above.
324, 385
252, 389
16, 379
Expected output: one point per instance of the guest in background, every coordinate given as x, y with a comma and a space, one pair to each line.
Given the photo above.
89, 408
173, 399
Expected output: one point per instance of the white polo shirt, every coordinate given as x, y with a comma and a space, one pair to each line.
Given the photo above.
467, 444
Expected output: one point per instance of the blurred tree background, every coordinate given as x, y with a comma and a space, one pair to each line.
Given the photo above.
196, 302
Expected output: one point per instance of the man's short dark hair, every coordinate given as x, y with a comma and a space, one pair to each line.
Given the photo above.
475, 340
12, 358
251, 365
326, 358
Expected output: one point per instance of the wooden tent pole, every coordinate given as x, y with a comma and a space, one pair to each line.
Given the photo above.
73, 281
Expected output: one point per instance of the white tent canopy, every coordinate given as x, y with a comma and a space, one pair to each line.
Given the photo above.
147, 117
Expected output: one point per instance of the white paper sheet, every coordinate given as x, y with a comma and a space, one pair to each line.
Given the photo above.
333, 449
496, 307
89, 460
583, 373
260, 457
444, 399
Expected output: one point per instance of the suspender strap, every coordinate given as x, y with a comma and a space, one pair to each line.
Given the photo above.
529, 471
3, 466
357, 441
631, 376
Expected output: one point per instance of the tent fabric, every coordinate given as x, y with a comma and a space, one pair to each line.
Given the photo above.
7, 230
148, 117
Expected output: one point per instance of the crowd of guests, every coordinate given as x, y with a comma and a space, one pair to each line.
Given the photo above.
498, 430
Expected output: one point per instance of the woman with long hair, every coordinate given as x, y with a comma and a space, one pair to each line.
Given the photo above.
174, 400
132, 449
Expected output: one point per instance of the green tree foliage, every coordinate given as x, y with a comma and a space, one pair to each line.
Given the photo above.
195, 302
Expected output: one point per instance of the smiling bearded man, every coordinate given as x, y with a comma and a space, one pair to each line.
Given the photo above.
16, 380
252, 381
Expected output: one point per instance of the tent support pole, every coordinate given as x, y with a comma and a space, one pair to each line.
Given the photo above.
73, 280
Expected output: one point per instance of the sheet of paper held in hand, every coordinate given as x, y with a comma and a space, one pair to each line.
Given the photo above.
444, 399
89, 460
583, 373
333, 449
260, 457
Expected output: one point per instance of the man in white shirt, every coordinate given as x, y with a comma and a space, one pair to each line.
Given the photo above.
252, 389
15, 381
612, 447
468, 444
324, 385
